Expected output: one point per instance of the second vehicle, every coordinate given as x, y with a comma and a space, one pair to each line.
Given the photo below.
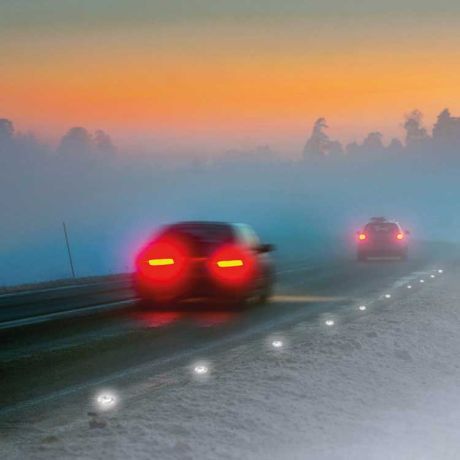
381, 238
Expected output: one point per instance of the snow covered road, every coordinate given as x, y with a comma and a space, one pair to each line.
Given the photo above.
379, 383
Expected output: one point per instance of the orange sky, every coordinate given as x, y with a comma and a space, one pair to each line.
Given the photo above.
229, 85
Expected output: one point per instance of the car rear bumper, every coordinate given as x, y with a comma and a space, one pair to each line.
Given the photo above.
383, 251
197, 288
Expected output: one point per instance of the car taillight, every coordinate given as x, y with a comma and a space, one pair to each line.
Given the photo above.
160, 262
164, 261
362, 236
232, 265
400, 236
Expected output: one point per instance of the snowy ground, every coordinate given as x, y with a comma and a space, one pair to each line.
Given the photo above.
378, 384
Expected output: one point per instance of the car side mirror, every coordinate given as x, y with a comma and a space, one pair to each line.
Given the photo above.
264, 248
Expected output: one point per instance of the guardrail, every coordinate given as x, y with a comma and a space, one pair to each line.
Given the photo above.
34, 306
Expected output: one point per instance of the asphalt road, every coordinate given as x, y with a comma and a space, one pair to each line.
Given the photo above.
43, 362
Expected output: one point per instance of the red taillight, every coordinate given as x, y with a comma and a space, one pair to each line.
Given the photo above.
164, 261
400, 236
232, 266
362, 236
230, 263
160, 262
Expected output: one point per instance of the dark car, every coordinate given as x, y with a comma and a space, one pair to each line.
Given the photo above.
381, 238
211, 260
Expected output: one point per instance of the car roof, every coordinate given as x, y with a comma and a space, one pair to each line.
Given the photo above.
200, 223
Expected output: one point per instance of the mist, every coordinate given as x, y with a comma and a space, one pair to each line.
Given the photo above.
112, 201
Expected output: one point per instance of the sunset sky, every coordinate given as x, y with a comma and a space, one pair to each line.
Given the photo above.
212, 74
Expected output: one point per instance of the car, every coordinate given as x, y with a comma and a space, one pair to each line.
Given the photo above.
381, 238
216, 261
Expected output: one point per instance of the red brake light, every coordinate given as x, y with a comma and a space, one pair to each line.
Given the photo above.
400, 236
160, 262
362, 236
165, 261
232, 265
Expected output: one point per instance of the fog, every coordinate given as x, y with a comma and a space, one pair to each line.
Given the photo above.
112, 200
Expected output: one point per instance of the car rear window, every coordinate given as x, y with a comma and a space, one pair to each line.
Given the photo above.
203, 238
381, 228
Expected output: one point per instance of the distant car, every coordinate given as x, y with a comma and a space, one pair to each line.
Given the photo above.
381, 238
211, 260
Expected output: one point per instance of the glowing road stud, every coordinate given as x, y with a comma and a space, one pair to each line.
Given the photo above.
440, 271
106, 400
432, 276
277, 344
409, 286
422, 281
362, 307
387, 296
201, 369
329, 322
